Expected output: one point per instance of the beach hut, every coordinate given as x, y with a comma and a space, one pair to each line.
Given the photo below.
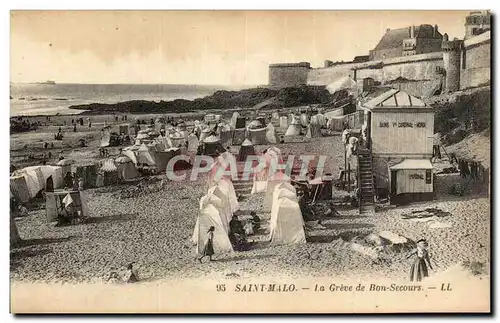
246, 150
239, 136
34, 179
313, 131
240, 122
234, 118
58, 203
287, 224
212, 145
304, 119
126, 168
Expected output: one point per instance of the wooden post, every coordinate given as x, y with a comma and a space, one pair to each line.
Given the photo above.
345, 167
349, 177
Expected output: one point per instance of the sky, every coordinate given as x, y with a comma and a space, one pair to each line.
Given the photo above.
196, 47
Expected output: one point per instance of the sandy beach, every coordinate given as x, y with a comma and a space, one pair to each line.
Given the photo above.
154, 229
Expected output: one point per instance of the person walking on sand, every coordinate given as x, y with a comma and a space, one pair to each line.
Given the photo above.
208, 251
418, 269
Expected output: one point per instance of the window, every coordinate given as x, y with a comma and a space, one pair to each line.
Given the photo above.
428, 176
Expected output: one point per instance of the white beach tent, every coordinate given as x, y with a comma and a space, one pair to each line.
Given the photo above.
130, 153
293, 128
313, 131
260, 178
126, 168
210, 199
287, 224
227, 187
225, 205
205, 133
55, 172
304, 120
145, 155
272, 182
193, 142
209, 216
283, 189
283, 122
34, 179
271, 135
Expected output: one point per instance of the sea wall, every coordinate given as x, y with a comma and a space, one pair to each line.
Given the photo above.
476, 61
415, 67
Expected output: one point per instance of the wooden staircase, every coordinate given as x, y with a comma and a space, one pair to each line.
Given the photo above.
365, 181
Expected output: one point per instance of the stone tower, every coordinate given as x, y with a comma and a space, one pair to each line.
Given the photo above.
451, 59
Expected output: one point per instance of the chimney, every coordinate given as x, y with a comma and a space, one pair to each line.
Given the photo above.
435, 31
412, 31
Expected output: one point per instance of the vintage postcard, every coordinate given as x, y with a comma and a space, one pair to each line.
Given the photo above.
250, 161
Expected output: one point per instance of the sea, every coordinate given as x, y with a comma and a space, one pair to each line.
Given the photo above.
51, 99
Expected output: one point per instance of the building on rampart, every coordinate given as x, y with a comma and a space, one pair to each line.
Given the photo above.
407, 41
476, 23
418, 60
288, 75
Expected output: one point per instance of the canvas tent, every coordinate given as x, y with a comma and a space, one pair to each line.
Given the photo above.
272, 182
209, 216
304, 119
283, 122
212, 144
19, 188
271, 136
145, 155
313, 131
106, 136
227, 187
211, 199
109, 173
126, 168
226, 135
246, 150
225, 206
257, 135
234, 118
287, 224
293, 129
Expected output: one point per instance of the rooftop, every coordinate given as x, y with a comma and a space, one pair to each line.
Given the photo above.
394, 38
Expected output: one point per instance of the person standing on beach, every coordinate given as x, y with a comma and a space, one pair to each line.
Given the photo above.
418, 269
208, 251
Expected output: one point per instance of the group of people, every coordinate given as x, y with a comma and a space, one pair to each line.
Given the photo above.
469, 169
71, 181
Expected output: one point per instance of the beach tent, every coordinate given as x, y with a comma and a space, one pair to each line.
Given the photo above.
65, 166
257, 135
234, 118
124, 128
34, 179
283, 189
55, 172
321, 119
178, 139
225, 206
313, 131
126, 168
109, 173
283, 122
293, 129
19, 188
130, 153
193, 142
205, 133
344, 83
287, 224
240, 123
271, 136
226, 186
304, 119
106, 136
212, 145
246, 150
273, 181
226, 135
210, 199
145, 156
239, 136
260, 179
88, 173
255, 124
275, 116
209, 216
